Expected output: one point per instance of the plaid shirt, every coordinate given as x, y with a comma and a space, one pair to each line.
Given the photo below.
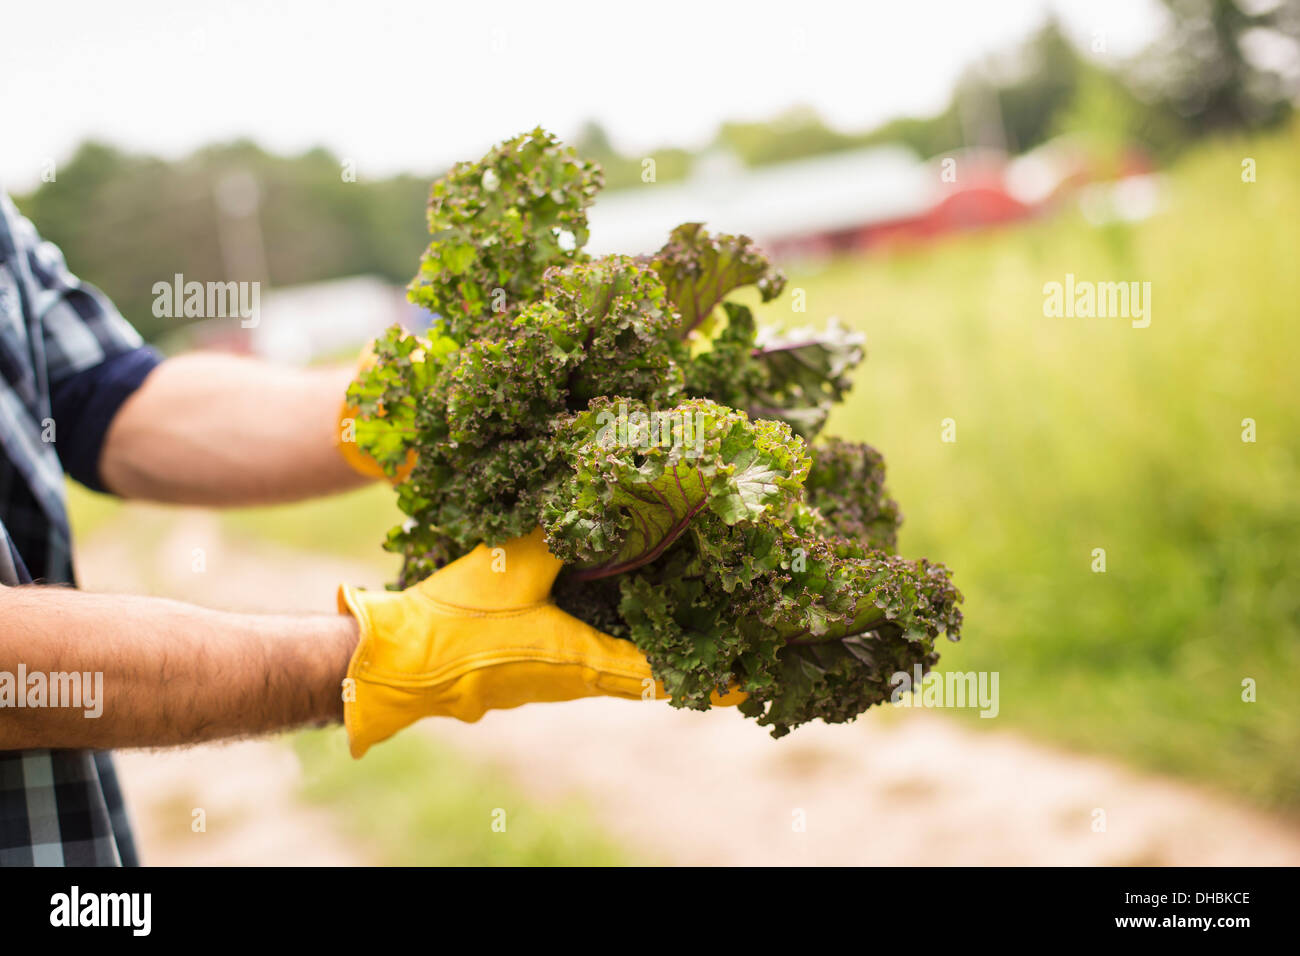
67, 362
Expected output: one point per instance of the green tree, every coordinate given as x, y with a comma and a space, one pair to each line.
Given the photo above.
1211, 67
125, 222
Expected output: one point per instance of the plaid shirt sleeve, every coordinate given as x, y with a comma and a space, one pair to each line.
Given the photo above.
80, 327
86, 358
64, 351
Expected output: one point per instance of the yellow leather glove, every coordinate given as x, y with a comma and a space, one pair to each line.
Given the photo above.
481, 634
359, 461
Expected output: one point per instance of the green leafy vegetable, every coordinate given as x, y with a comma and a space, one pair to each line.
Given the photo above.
847, 486
700, 270
806, 371
659, 436
636, 479
793, 377
813, 627
498, 225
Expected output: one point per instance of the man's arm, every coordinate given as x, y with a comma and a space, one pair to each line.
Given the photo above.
172, 673
211, 429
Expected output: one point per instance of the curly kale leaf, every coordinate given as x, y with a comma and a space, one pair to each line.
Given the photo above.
837, 681
636, 479
497, 225
793, 377
388, 391
806, 371
481, 416
629, 347
478, 417
727, 372
700, 270
841, 659
847, 486
495, 390
807, 626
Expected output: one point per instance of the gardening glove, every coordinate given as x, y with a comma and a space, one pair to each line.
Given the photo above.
346, 440
481, 634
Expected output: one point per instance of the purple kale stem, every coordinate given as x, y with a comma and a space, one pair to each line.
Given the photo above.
609, 570
787, 347
797, 640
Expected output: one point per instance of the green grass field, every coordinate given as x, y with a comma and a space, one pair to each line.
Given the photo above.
1076, 434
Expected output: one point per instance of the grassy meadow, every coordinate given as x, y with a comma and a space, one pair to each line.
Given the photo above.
1080, 433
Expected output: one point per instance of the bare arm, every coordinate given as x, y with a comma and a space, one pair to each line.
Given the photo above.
211, 429
172, 673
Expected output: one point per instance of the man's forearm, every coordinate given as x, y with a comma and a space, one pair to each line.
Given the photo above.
210, 429
172, 673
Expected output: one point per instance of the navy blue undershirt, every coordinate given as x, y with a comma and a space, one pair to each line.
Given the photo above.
83, 406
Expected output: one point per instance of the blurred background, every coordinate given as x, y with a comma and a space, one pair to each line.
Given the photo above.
921, 171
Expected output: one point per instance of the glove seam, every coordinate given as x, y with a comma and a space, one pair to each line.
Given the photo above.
459, 610
497, 656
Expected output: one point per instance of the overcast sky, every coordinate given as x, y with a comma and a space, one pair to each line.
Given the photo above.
397, 85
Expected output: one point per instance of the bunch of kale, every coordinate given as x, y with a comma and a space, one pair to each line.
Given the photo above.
666, 444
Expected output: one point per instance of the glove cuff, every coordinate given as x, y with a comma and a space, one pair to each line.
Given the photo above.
358, 722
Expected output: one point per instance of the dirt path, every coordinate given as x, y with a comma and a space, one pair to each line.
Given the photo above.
896, 788
911, 788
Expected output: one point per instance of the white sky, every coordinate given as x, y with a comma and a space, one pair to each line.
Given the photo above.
398, 85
